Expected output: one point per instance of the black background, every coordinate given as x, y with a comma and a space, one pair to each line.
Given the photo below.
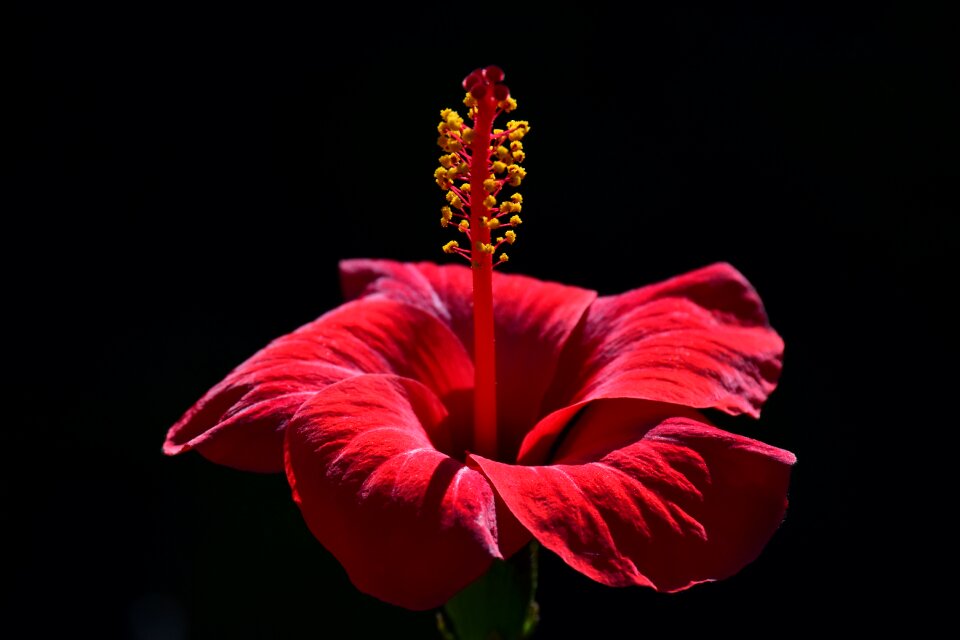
185, 180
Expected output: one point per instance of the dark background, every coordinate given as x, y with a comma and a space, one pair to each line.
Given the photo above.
185, 179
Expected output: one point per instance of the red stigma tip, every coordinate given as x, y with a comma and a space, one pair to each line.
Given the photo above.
501, 92
493, 73
478, 91
473, 79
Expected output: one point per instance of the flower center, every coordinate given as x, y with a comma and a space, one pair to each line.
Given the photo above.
479, 162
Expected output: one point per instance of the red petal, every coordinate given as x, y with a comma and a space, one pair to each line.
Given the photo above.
642, 498
533, 321
698, 340
240, 422
410, 525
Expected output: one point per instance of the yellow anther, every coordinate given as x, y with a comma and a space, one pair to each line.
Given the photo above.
504, 257
516, 145
446, 212
493, 223
440, 173
520, 129
515, 221
502, 152
499, 167
469, 100
511, 235
444, 222
450, 173
464, 225
489, 185
490, 202
507, 105
472, 113
506, 207
516, 174
465, 187
468, 135
445, 162
450, 246
499, 239
517, 198
497, 132
445, 113
487, 248
518, 156
454, 121
453, 199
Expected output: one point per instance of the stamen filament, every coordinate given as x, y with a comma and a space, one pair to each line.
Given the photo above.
484, 345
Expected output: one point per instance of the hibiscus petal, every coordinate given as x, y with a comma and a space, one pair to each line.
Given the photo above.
698, 340
410, 525
642, 497
533, 321
240, 422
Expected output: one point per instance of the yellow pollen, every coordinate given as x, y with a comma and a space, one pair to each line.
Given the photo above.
520, 129
487, 248
465, 187
493, 224
489, 185
468, 135
515, 220
450, 246
503, 152
469, 100
490, 202
507, 105
504, 257
511, 235
517, 198
464, 225
518, 156
516, 145
499, 167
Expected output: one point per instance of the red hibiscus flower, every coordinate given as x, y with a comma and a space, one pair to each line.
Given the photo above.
602, 456
426, 431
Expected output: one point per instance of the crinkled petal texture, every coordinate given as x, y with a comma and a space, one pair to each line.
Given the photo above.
410, 525
617, 473
240, 422
698, 340
533, 319
640, 495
